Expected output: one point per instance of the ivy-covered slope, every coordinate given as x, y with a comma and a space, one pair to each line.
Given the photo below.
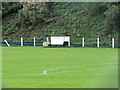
88, 20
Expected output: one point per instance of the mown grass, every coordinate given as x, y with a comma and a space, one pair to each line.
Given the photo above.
23, 67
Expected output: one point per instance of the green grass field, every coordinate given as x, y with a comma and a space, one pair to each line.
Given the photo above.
38, 67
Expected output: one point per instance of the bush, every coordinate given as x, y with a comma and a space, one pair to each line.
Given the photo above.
95, 8
111, 20
33, 14
10, 7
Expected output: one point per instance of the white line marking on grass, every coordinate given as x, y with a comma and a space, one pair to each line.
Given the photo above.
45, 72
33, 74
76, 71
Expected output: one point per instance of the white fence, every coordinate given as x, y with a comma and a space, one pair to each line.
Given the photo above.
83, 42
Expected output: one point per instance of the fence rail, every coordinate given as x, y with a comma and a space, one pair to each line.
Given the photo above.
113, 43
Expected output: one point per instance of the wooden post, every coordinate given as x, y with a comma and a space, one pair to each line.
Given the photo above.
47, 39
7, 43
34, 41
21, 41
69, 42
113, 42
83, 42
98, 42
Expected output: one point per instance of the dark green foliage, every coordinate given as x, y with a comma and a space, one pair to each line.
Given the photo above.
33, 14
95, 8
88, 20
10, 7
111, 19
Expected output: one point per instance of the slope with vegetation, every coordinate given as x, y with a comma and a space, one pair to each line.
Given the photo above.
88, 20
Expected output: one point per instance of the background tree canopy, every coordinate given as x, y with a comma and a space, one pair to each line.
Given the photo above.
89, 20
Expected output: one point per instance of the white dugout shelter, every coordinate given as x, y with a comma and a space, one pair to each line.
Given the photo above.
57, 40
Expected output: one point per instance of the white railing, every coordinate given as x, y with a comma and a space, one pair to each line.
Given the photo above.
83, 42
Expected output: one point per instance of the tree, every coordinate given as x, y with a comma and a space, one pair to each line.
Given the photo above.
33, 13
10, 7
95, 8
111, 20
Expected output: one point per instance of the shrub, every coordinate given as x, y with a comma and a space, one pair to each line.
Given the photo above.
111, 20
10, 7
33, 14
95, 8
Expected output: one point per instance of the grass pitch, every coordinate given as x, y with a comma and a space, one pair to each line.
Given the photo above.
37, 67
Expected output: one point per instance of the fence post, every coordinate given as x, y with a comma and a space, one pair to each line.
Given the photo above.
7, 43
98, 42
34, 41
83, 42
47, 39
113, 42
21, 41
